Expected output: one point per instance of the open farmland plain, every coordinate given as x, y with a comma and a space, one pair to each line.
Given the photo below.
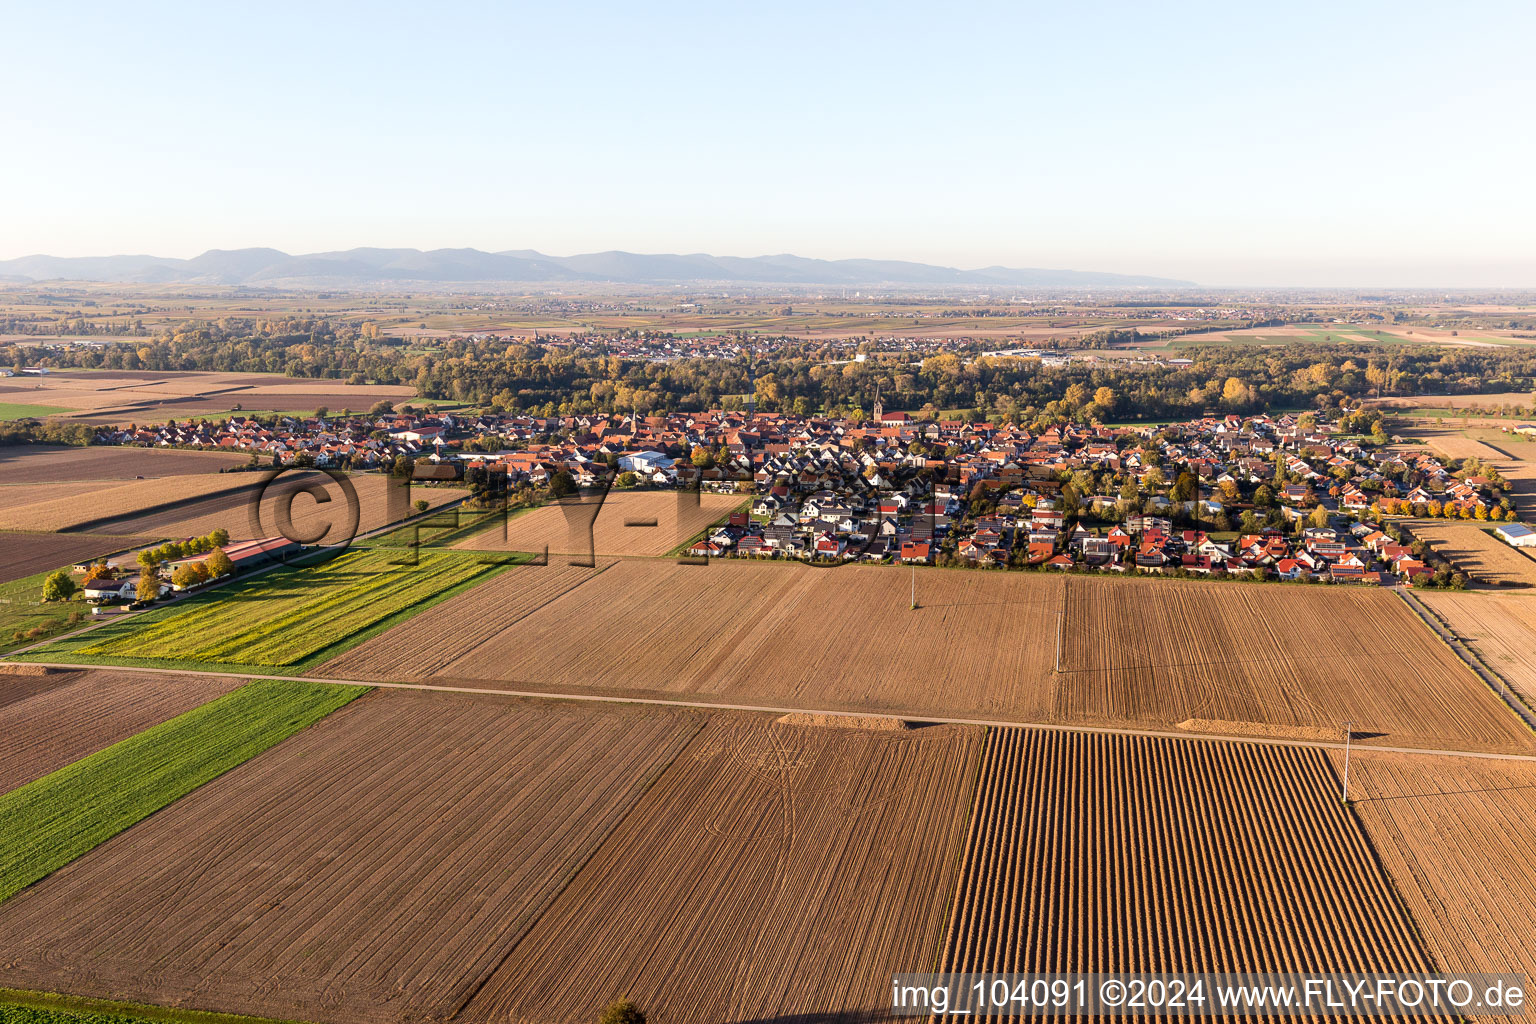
1228, 659
376, 867
1101, 853
120, 397
775, 872
1472, 547
625, 523
1499, 628
283, 617
49, 720
1455, 835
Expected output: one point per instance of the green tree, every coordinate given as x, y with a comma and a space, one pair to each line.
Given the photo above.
421, 504
562, 484
58, 586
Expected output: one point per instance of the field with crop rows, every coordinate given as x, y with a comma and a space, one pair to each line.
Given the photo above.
1473, 548
325, 521
285, 616
1300, 660
41, 464
374, 868
773, 872
1499, 628
1093, 852
625, 523
54, 819
786, 634
1218, 658
48, 721
1455, 835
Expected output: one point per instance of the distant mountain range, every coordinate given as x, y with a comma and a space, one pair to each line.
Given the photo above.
373, 267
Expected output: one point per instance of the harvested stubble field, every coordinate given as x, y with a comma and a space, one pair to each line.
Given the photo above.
285, 616
1500, 629
773, 872
625, 523
37, 464
49, 721
1455, 835
1150, 653
1458, 446
22, 554
1104, 853
1471, 547
377, 867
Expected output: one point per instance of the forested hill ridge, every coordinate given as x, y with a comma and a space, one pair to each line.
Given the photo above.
365, 267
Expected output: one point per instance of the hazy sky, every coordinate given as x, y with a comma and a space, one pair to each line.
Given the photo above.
1228, 143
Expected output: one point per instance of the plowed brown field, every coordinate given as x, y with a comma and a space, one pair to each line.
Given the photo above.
1470, 546
1500, 629
1101, 853
1456, 836
625, 523
47, 722
37, 464
52, 511
1150, 653
377, 866
1303, 658
774, 872
22, 554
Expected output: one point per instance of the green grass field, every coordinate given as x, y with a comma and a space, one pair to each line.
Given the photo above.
287, 616
21, 411
55, 819
22, 1007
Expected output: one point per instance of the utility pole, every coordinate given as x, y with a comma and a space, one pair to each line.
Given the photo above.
1349, 729
914, 587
